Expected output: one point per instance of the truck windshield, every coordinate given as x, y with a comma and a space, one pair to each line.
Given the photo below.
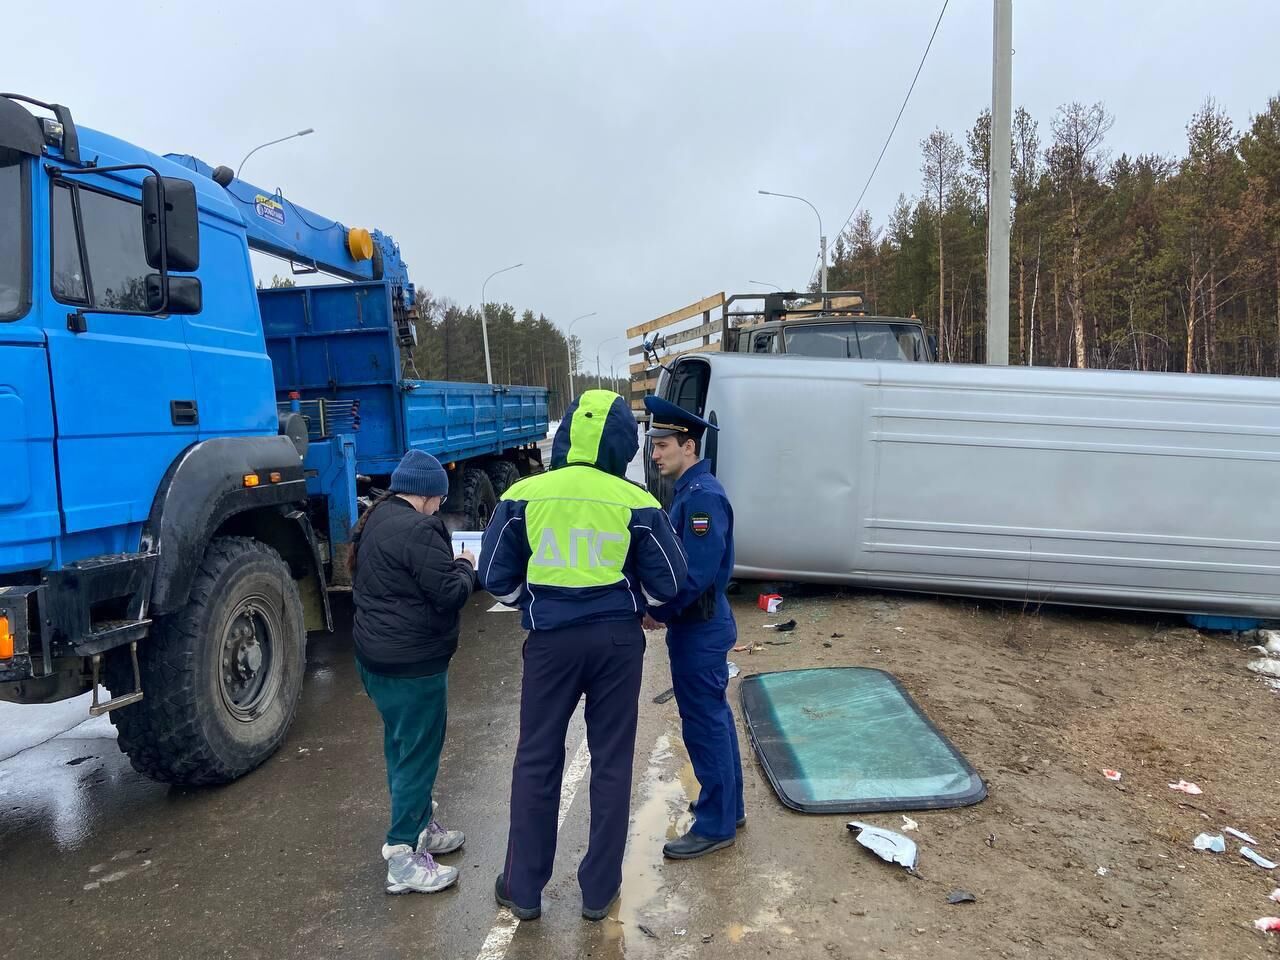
857, 340
15, 246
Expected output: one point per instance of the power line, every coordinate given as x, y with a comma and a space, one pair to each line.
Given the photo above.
901, 110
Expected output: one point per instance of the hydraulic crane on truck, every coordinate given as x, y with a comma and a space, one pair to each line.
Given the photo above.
312, 243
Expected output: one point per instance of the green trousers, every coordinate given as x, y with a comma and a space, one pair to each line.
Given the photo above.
414, 711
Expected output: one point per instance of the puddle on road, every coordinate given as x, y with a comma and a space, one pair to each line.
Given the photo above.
662, 815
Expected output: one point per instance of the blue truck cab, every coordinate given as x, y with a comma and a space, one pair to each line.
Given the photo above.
183, 455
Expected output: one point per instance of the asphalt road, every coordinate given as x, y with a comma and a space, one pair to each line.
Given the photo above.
97, 860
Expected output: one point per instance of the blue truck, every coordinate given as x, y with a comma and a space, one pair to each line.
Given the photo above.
183, 455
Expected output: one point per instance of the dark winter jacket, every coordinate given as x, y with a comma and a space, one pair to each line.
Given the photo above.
408, 591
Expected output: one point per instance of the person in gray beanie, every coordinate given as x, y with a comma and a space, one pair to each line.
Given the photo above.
409, 591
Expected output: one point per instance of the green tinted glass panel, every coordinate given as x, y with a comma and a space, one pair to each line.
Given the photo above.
851, 740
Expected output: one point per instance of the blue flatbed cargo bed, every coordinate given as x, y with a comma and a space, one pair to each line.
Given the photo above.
338, 343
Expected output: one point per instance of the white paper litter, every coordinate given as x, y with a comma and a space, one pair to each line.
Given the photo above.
1257, 858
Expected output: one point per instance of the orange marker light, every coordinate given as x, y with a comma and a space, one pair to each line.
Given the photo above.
252, 480
6, 639
276, 476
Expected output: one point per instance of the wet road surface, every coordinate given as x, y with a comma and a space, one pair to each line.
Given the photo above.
99, 861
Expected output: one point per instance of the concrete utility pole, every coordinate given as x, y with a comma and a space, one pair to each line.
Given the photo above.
998, 205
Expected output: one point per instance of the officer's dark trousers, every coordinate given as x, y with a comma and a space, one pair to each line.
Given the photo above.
700, 680
604, 662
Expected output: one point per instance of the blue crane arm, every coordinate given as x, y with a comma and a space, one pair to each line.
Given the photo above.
278, 226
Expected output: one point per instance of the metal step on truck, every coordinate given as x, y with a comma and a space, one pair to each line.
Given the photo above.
183, 455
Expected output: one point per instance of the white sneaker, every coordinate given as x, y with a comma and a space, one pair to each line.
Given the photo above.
410, 872
437, 840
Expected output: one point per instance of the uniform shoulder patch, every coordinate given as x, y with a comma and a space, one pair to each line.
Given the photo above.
700, 524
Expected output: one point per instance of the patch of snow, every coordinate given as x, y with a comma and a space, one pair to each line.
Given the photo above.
24, 725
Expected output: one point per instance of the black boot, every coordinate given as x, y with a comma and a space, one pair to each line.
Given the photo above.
692, 845
522, 913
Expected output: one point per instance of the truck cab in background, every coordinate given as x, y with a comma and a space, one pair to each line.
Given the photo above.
835, 325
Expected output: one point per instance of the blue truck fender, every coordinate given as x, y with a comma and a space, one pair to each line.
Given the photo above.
205, 494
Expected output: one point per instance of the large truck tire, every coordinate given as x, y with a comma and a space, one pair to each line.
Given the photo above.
503, 474
478, 498
221, 678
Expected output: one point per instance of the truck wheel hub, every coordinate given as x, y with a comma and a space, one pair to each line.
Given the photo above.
245, 661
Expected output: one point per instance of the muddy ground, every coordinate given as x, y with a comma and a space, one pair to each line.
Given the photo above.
1063, 862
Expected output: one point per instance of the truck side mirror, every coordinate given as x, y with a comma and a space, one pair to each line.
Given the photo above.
933, 345
181, 221
186, 296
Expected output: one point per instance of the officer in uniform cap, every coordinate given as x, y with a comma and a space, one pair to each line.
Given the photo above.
700, 628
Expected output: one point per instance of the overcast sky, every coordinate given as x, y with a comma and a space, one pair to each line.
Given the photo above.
614, 147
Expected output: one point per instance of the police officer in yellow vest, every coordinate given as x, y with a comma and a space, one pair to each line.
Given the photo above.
582, 551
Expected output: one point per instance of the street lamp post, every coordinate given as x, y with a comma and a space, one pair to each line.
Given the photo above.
568, 347
484, 319
598, 349
624, 352
822, 237
300, 133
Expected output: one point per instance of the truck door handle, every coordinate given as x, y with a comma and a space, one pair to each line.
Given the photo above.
183, 413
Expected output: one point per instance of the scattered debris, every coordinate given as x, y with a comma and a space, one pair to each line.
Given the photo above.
1268, 924
1250, 854
769, 602
79, 760
1112, 774
827, 644
837, 636
1207, 841
778, 643
733, 670
885, 844
1266, 666
991, 840
1270, 640
647, 932
665, 695
742, 648
681, 932
1275, 895
961, 896
909, 824
1103, 871
1238, 835
708, 937
781, 627
1185, 787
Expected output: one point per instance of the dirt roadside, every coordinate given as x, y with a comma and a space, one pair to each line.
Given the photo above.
1063, 862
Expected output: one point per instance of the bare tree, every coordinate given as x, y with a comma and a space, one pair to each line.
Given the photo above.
1026, 175
941, 168
1075, 161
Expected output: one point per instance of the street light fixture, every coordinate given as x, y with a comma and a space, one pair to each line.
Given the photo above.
822, 237
568, 346
484, 319
764, 283
292, 136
